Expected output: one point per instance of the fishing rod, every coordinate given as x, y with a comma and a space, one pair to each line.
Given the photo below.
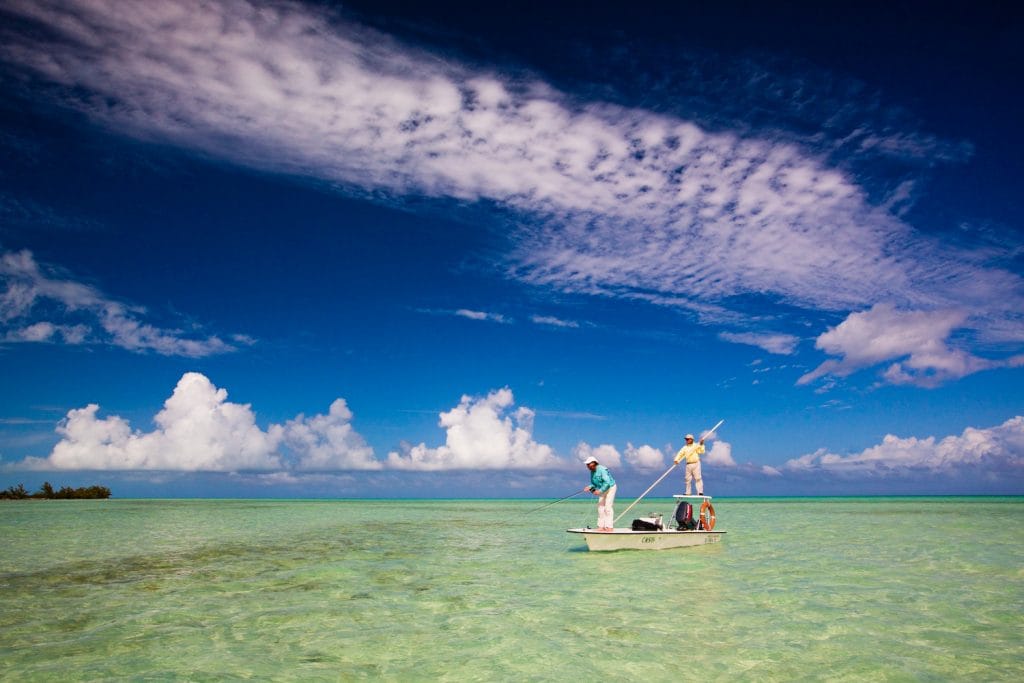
674, 465
553, 502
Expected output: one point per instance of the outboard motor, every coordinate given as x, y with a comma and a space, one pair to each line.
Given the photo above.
684, 516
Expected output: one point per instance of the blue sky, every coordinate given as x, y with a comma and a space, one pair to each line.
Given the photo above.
420, 249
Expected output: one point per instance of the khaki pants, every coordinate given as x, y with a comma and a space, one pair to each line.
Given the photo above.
693, 472
605, 513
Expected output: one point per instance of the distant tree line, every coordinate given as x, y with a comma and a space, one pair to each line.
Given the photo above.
46, 492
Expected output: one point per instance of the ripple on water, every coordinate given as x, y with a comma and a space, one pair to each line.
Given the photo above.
888, 589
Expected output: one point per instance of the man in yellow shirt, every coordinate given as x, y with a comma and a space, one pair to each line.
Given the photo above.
691, 452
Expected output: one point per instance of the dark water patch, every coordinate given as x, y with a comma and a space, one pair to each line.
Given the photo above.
220, 560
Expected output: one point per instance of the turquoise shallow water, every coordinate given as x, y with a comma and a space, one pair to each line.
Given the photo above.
845, 589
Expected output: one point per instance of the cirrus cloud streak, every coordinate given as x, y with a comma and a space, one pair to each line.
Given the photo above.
87, 315
605, 199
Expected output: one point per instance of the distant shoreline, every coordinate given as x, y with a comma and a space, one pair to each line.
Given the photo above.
47, 492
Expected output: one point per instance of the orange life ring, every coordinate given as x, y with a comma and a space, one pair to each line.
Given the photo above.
708, 523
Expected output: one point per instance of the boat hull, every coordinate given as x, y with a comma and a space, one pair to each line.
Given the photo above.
627, 539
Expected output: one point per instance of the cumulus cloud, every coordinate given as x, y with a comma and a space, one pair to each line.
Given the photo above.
978, 451
329, 442
606, 454
720, 454
918, 342
199, 430
609, 200
32, 290
644, 457
481, 433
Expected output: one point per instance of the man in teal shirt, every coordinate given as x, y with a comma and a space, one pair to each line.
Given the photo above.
603, 486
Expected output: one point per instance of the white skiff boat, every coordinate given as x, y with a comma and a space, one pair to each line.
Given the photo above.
662, 538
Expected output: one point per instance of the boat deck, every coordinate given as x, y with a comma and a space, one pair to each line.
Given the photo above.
625, 538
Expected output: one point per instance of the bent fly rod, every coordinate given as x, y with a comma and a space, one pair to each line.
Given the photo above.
553, 502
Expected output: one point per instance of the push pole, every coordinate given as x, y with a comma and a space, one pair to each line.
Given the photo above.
646, 492
706, 435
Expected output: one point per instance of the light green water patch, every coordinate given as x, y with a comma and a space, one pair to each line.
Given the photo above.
835, 589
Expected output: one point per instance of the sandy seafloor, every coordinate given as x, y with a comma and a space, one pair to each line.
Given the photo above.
844, 589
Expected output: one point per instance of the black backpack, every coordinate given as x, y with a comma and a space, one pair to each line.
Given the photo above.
645, 525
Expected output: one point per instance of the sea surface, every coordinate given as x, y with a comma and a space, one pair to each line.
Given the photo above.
837, 589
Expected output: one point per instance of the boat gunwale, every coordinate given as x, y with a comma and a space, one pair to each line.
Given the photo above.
630, 532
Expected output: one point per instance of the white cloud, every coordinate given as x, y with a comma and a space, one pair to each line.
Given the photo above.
329, 442
92, 316
606, 454
481, 433
720, 454
614, 201
481, 315
972, 453
199, 430
916, 340
780, 344
644, 457
46, 331
553, 321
